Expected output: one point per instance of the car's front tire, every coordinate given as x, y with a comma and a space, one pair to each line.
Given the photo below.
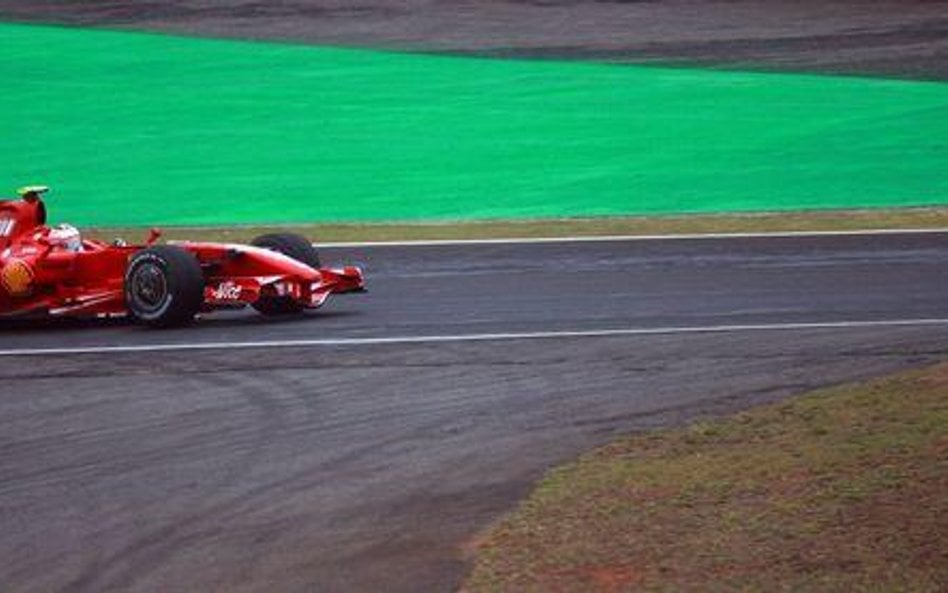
164, 286
290, 245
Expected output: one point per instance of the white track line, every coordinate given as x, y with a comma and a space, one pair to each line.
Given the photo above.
615, 238
605, 333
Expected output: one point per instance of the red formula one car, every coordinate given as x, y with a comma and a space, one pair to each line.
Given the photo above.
48, 271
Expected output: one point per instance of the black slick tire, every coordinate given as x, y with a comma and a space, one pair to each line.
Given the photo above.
290, 245
164, 286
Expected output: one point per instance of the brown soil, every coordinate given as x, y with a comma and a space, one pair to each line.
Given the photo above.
838, 491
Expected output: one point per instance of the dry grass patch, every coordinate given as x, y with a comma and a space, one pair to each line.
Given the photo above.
730, 223
841, 490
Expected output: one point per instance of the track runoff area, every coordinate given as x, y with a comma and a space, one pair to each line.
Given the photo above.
347, 135
835, 325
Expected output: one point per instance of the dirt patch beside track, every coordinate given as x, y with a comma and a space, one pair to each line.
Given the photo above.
900, 38
841, 490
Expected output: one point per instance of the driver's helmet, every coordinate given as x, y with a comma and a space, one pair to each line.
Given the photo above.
66, 236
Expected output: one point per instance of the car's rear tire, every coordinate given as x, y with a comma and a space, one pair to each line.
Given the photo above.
290, 245
164, 286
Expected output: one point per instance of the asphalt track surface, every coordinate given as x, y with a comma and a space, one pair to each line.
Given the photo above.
369, 467
900, 38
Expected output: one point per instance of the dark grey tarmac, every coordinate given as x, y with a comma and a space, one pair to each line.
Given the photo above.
900, 38
370, 468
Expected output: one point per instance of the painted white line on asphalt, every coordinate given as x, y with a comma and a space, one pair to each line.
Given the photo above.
617, 238
407, 340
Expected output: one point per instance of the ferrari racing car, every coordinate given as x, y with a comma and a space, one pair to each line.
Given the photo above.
54, 271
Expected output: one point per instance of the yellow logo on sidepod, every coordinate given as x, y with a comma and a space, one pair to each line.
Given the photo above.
17, 277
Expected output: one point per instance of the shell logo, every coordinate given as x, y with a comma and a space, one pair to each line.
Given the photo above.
17, 278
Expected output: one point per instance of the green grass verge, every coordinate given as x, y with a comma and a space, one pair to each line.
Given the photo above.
139, 129
914, 218
840, 490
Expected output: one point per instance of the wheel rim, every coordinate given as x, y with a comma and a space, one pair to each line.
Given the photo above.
148, 288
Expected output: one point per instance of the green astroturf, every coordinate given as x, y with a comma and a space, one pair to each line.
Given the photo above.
138, 129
